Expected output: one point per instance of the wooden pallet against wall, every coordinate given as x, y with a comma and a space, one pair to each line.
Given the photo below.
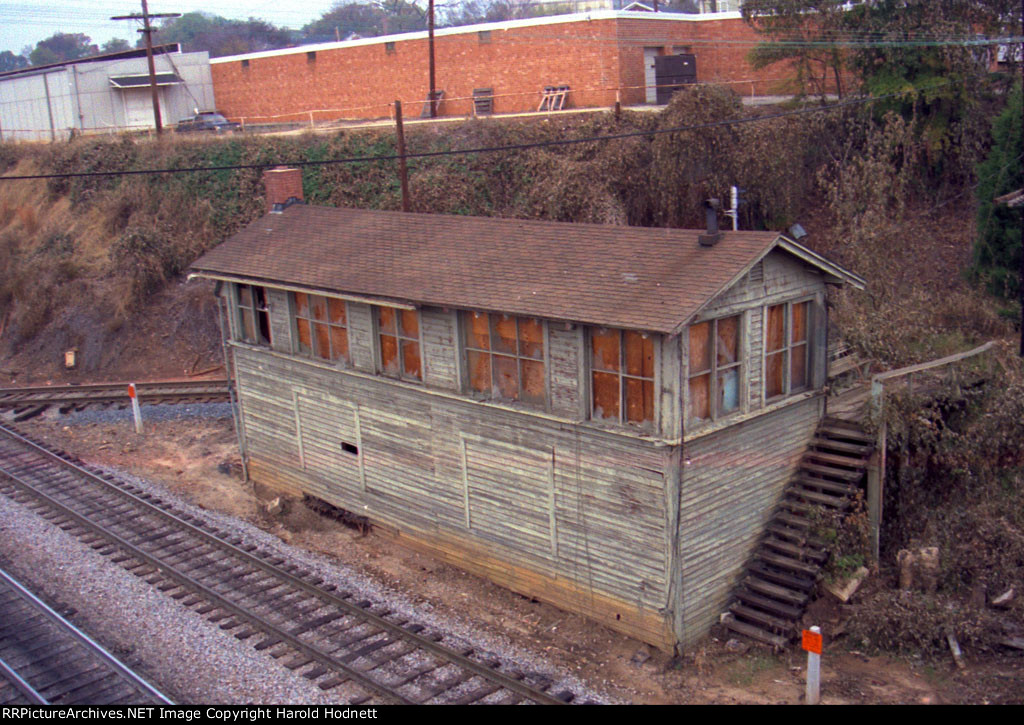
781, 576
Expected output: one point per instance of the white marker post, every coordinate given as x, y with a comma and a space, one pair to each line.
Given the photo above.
812, 643
136, 411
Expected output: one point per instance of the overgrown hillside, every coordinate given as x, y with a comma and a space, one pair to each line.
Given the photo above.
95, 263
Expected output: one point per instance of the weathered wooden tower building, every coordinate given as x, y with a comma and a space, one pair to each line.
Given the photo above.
601, 417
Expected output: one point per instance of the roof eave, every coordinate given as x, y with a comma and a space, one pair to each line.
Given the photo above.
840, 273
837, 274
406, 304
277, 284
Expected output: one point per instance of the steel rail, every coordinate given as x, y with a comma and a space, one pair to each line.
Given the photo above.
110, 393
220, 383
12, 676
96, 650
219, 601
425, 643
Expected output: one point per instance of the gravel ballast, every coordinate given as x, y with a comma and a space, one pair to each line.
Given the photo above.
190, 658
150, 413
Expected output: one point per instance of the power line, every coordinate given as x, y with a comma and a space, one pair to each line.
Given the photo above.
458, 152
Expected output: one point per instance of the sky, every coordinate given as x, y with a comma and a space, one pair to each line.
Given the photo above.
26, 23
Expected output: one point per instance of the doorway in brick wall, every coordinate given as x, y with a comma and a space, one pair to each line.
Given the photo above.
650, 83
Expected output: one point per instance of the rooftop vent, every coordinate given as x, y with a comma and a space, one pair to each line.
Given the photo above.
712, 235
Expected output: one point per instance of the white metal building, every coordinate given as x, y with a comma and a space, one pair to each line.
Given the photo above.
103, 94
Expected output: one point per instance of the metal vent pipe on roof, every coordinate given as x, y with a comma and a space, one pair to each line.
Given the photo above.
712, 235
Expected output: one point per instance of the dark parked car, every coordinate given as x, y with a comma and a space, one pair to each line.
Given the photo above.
207, 121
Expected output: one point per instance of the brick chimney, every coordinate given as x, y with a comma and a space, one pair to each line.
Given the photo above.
283, 188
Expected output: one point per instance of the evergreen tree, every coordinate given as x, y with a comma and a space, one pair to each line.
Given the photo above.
997, 249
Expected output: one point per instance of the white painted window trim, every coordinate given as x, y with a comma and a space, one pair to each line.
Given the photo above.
378, 363
744, 373
812, 330
294, 327
654, 426
462, 353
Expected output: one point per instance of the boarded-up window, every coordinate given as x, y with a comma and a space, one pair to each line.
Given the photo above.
622, 376
400, 343
321, 326
786, 349
253, 314
505, 356
716, 368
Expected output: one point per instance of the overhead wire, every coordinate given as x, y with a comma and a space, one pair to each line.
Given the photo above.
459, 152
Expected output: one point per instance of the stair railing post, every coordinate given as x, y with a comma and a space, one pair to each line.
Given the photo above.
876, 468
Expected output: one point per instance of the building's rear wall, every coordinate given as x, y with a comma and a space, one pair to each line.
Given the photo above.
600, 59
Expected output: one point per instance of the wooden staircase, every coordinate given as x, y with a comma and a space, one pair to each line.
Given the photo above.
781, 576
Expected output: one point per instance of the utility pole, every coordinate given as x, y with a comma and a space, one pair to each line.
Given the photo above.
430, 49
147, 30
403, 171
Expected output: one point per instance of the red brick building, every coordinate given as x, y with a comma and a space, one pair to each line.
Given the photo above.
600, 56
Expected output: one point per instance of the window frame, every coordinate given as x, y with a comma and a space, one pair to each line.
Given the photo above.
787, 348
375, 311
466, 348
741, 366
313, 352
259, 314
623, 376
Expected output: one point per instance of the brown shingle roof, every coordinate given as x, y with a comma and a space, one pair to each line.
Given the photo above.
631, 277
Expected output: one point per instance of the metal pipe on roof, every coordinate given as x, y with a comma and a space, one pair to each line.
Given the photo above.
712, 235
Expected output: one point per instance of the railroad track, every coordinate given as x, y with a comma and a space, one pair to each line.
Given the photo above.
360, 650
31, 401
45, 660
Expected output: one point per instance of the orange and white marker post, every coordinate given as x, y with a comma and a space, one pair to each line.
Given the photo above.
136, 411
812, 643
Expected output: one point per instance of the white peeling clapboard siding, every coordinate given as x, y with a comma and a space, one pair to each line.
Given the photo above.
611, 519
360, 336
564, 374
784, 278
731, 485
280, 319
325, 423
509, 491
608, 506
398, 463
269, 425
438, 334
755, 360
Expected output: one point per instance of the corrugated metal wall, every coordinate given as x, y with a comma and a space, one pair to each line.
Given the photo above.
47, 105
